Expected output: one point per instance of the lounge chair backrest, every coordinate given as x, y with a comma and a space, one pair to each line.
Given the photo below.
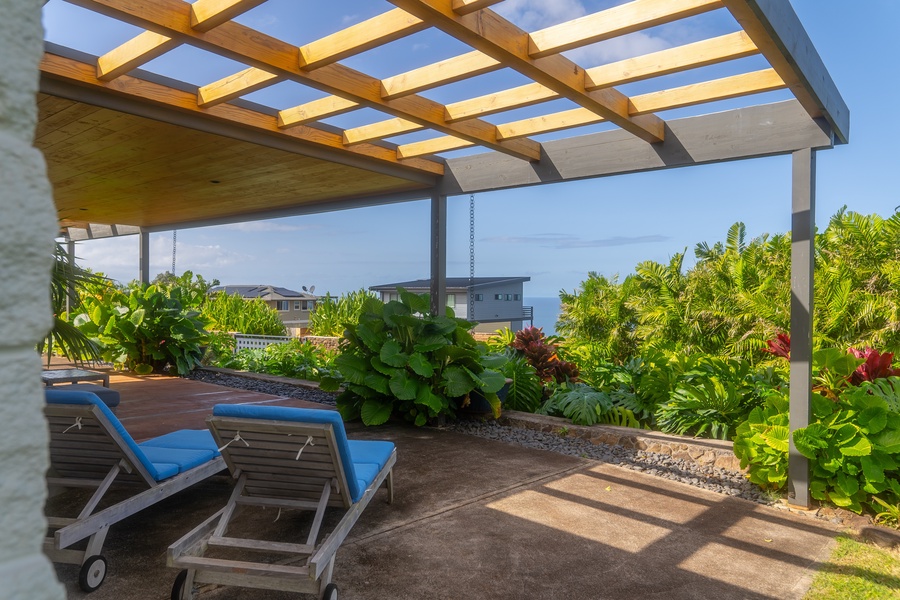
86, 438
278, 457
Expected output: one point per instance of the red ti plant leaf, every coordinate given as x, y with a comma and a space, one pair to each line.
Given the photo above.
780, 346
877, 365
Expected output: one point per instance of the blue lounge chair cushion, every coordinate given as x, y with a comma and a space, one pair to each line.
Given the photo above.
162, 466
372, 455
187, 439
370, 451
183, 459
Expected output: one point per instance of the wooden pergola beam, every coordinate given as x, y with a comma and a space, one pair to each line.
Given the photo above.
235, 41
619, 20
206, 14
235, 86
437, 74
144, 47
665, 62
140, 49
371, 33
464, 7
775, 28
736, 86
491, 34
316, 110
379, 130
182, 101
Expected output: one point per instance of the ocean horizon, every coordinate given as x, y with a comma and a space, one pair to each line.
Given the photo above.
546, 312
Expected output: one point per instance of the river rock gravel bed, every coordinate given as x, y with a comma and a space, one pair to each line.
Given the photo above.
660, 465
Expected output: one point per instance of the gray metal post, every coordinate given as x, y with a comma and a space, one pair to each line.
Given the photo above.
144, 257
438, 254
803, 231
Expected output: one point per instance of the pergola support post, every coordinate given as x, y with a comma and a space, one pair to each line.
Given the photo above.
438, 253
803, 232
144, 237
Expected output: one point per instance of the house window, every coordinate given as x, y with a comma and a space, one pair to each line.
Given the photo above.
451, 300
308, 305
297, 305
479, 297
509, 296
516, 297
498, 296
282, 305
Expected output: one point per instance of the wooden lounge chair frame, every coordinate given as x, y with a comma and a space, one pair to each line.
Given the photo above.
265, 458
87, 451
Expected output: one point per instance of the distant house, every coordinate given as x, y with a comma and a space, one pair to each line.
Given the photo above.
498, 301
293, 307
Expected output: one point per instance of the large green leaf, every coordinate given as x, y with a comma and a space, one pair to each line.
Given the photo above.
394, 309
776, 437
430, 342
392, 354
421, 365
418, 303
372, 340
873, 471
137, 317
426, 397
403, 387
456, 381
873, 419
888, 440
352, 367
858, 446
810, 440
378, 382
376, 412
491, 381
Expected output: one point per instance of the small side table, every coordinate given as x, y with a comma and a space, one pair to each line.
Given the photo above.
53, 376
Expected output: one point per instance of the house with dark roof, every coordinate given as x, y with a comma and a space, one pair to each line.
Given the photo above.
293, 307
493, 302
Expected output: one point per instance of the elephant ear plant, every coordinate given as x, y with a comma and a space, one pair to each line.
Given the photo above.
400, 360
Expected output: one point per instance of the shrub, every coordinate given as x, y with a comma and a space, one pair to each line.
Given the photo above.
331, 316
231, 312
144, 330
400, 360
541, 352
297, 358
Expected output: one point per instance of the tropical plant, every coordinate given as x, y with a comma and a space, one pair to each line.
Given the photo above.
579, 402
526, 392
193, 291
67, 282
708, 405
761, 442
541, 352
297, 358
400, 360
332, 316
143, 330
231, 312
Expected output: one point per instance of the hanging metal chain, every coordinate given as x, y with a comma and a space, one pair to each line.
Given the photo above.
174, 241
472, 257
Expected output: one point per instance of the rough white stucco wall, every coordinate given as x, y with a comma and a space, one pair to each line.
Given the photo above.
27, 228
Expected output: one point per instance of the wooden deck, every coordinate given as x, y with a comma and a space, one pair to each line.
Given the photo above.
153, 405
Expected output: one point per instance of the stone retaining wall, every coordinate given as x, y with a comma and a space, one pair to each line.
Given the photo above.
716, 453
321, 341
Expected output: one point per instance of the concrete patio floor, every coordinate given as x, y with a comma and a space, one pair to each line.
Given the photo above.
474, 519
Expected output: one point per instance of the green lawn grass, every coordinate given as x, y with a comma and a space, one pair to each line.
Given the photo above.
857, 571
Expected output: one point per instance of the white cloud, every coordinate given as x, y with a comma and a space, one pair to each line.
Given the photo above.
267, 226
618, 48
537, 14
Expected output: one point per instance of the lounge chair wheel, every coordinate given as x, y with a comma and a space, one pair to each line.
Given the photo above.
330, 592
92, 573
178, 586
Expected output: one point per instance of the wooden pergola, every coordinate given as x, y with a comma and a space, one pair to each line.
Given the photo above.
132, 151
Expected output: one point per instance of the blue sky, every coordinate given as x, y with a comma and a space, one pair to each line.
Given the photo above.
554, 234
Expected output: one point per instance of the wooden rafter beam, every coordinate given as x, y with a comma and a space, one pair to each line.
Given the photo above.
665, 62
206, 14
235, 41
140, 49
235, 86
491, 34
613, 22
374, 32
379, 130
464, 7
316, 110
437, 74
736, 86
433, 146
144, 47
83, 74
775, 28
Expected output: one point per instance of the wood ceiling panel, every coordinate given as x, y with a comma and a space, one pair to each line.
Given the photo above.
132, 170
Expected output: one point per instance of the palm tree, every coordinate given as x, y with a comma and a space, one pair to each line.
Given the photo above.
64, 338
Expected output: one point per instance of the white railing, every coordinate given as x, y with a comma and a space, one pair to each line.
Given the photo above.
243, 340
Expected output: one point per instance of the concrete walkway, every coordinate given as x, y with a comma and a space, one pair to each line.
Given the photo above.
477, 519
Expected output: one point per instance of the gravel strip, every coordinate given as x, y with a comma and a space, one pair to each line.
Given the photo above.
661, 465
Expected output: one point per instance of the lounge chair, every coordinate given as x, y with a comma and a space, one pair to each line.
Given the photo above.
285, 458
89, 448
